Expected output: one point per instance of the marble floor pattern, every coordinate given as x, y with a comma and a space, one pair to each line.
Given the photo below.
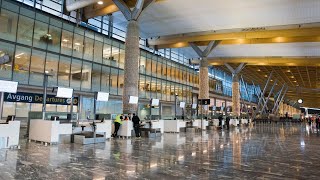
263, 151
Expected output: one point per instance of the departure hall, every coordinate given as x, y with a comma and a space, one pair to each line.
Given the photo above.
159, 89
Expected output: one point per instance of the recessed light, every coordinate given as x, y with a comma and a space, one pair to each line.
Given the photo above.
288, 70
294, 81
271, 80
100, 2
292, 76
265, 75
78, 44
65, 40
258, 70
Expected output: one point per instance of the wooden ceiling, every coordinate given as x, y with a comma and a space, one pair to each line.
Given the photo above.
303, 81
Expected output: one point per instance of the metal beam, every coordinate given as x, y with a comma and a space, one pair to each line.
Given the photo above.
248, 37
276, 111
262, 94
205, 52
267, 61
266, 103
276, 103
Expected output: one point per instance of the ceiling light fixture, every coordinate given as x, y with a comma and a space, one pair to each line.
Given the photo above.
258, 70
100, 2
288, 70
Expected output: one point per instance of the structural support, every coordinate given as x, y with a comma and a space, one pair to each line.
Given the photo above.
276, 103
132, 52
266, 103
236, 88
284, 93
203, 70
261, 98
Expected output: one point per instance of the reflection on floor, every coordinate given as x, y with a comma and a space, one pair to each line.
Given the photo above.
262, 151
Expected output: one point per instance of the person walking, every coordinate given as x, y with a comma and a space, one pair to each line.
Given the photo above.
220, 121
117, 124
136, 125
228, 122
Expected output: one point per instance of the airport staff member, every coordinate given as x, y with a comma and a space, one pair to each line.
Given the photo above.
117, 124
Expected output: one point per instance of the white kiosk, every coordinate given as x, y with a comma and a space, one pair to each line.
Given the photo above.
47, 131
9, 131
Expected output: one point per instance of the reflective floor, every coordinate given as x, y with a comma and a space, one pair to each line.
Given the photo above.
263, 151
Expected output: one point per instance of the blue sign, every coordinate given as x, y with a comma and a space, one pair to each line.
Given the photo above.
37, 98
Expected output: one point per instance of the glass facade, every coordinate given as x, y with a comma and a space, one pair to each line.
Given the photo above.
86, 60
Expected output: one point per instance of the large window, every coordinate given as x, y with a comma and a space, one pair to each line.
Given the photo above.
88, 49
25, 27
86, 76
41, 37
98, 46
64, 71
114, 81
77, 46
6, 68
105, 79
37, 67
52, 68
21, 65
66, 42
96, 77
8, 21
54, 42
76, 74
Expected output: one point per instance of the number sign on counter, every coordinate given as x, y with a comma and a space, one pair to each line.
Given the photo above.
102, 96
155, 102
8, 86
133, 100
64, 92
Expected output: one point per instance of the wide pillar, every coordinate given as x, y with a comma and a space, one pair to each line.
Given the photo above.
203, 79
235, 95
131, 67
132, 52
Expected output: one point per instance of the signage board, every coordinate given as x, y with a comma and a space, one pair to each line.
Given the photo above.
64, 92
102, 96
155, 102
133, 100
182, 104
38, 98
8, 86
194, 106
204, 101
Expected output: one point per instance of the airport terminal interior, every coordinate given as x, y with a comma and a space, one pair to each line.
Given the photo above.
159, 89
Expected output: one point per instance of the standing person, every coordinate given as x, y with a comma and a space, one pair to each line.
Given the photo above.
220, 121
136, 125
228, 122
318, 122
117, 124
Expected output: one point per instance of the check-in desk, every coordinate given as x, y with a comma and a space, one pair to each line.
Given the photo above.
216, 122
9, 134
173, 125
234, 122
197, 123
155, 124
103, 128
125, 129
244, 121
48, 131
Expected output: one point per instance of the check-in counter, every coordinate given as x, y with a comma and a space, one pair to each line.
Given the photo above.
9, 134
101, 127
216, 122
48, 131
197, 123
244, 121
173, 125
156, 124
125, 129
234, 122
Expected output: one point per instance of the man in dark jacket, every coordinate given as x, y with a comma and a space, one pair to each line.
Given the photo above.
136, 125
228, 122
220, 121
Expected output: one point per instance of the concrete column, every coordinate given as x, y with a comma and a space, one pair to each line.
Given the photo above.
235, 95
131, 67
203, 79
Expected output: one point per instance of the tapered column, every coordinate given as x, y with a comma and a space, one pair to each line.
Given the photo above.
131, 67
235, 95
203, 79
132, 52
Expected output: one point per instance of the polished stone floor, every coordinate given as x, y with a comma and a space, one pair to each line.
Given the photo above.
263, 151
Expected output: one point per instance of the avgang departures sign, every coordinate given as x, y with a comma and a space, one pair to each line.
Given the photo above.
37, 98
